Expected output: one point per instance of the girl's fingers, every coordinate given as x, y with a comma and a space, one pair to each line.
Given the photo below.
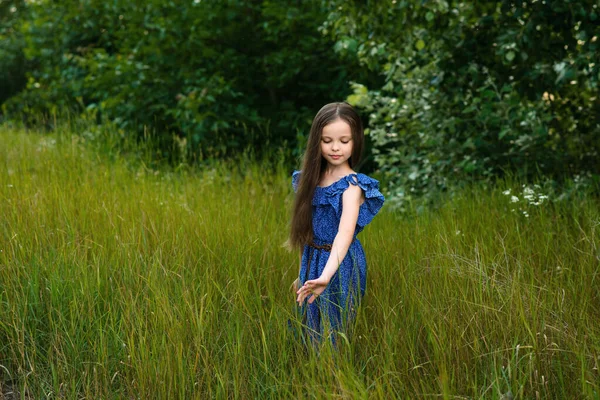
307, 290
306, 287
305, 293
302, 294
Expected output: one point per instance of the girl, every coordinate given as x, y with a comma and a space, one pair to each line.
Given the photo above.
333, 204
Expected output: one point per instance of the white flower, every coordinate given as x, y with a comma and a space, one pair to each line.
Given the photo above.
506, 192
514, 199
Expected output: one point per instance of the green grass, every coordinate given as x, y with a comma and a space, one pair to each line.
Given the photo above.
120, 281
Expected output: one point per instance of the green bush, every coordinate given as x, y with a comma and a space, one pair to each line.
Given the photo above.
220, 75
12, 59
476, 90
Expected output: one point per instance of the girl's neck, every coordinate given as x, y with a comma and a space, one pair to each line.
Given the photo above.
337, 170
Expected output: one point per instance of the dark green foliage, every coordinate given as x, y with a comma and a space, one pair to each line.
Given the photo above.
451, 91
476, 89
12, 59
221, 76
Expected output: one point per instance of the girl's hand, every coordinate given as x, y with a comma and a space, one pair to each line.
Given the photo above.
314, 287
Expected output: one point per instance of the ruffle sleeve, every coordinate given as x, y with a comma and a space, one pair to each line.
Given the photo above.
295, 180
374, 199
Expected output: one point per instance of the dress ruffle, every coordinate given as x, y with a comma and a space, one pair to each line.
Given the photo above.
295, 180
332, 195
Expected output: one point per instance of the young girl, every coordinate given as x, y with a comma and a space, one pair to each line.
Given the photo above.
333, 204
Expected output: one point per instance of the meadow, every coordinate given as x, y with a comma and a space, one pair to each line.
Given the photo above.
121, 280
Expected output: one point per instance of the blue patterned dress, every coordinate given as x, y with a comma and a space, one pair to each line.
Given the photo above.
335, 307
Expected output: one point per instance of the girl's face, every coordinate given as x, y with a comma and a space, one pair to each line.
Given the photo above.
336, 142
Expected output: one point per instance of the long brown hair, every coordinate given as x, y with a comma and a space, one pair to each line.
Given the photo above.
313, 165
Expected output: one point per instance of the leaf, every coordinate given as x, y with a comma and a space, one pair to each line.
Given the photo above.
420, 44
358, 99
360, 89
503, 133
388, 86
510, 55
469, 144
469, 109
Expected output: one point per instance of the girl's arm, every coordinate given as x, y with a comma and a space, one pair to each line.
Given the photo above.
351, 201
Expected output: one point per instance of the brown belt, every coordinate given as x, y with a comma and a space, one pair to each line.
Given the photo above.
325, 246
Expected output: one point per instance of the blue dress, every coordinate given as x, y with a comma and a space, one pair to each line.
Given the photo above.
335, 308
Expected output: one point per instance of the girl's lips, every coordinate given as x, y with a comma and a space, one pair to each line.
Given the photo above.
335, 157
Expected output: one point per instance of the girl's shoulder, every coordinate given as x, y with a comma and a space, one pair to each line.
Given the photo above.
364, 181
332, 195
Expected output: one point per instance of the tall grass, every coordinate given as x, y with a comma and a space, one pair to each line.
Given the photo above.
122, 281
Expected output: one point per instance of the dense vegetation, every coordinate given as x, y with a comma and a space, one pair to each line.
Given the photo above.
451, 91
475, 90
221, 75
141, 240
122, 281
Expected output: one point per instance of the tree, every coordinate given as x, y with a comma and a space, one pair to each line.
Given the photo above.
475, 89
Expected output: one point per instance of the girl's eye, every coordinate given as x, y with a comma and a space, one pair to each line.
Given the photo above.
328, 141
